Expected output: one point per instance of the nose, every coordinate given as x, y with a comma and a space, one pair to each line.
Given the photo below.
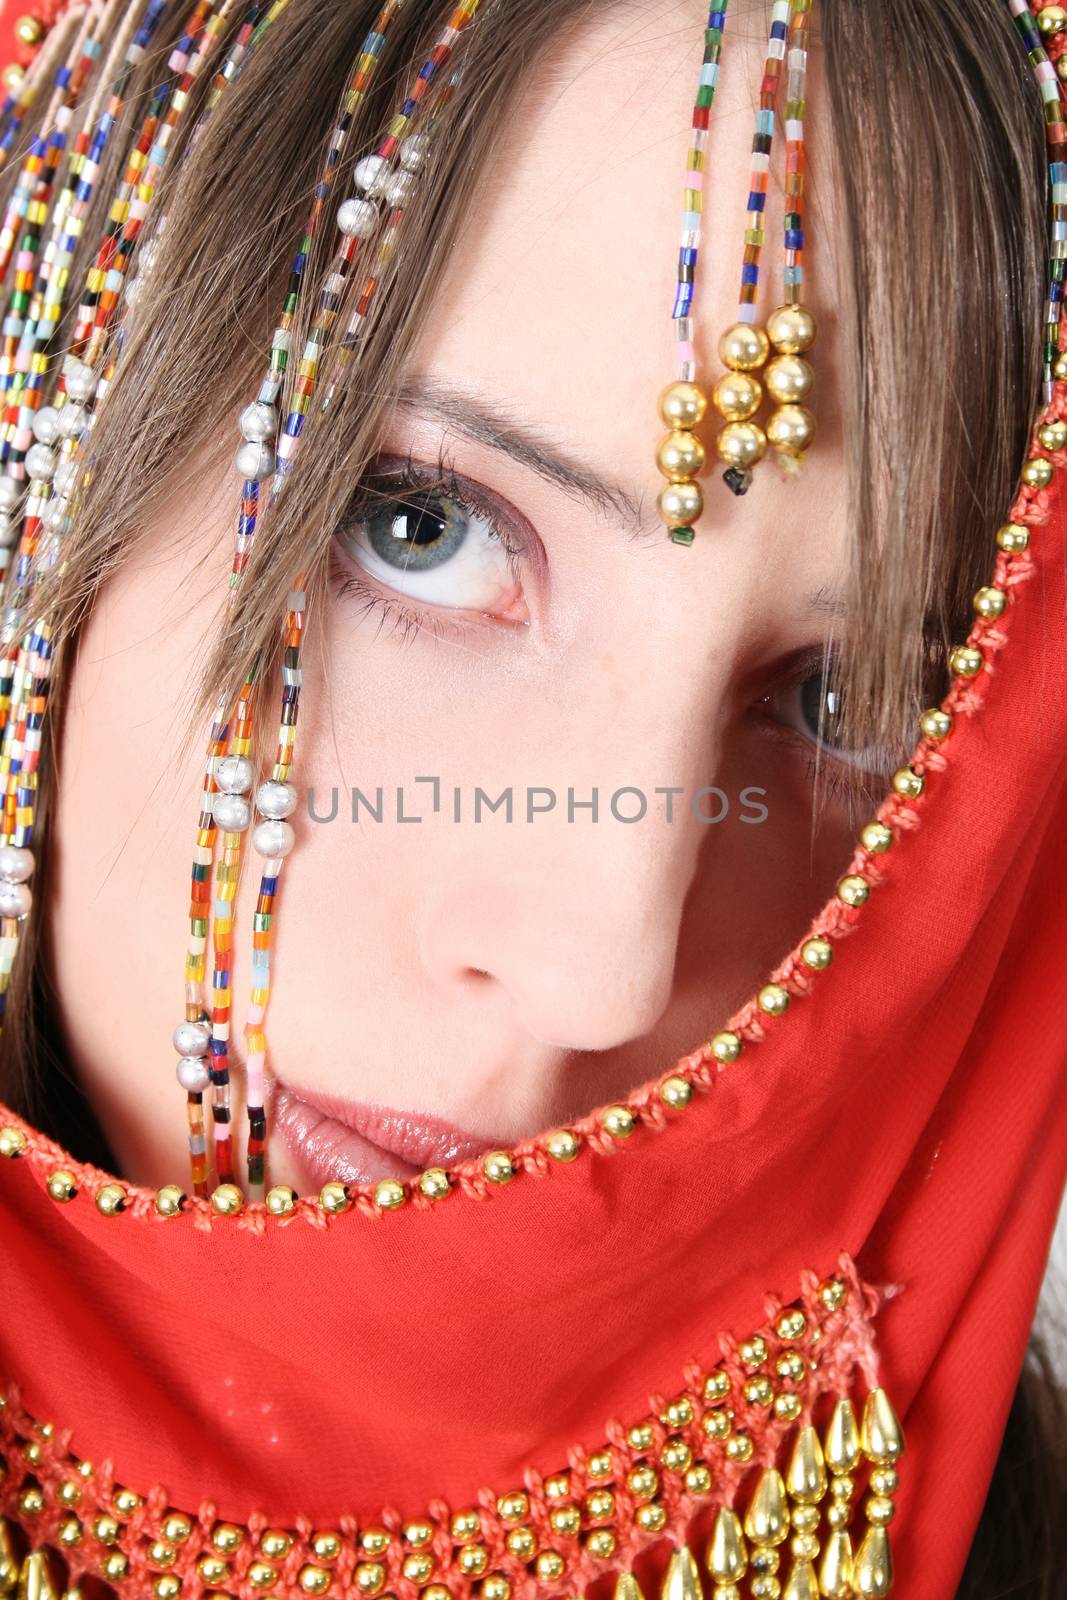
567, 916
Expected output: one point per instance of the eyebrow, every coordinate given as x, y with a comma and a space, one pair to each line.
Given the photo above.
493, 426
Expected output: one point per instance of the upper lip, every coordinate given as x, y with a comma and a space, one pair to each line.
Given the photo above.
414, 1137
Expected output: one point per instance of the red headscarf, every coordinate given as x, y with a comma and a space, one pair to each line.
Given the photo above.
903, 1129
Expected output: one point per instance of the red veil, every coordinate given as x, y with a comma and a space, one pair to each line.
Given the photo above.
871, 1187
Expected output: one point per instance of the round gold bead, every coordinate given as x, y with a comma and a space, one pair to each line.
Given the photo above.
370, 1577
737, 396
880, 1510
106, 1530
698, 1480
326, 1545
167, 1587
676, 1093
12, 77
281, 1200
465, 1525
61, 1185
726, 1047
334, 1198
744, 347
718, 1424
32, 1453
177, 1527
651, 1518
618, 1121
473, 1560
640, 1437
675, 1456
753, 1352
1059, 369
433, 1183
681, 456
885, 1481
908, 783
418, 1568
790, 1364
965, 661
562, 1145
513, 1507
115, 1566
774, 1000
313, 1579
558, 1487
1052, 436
161, 1554
600, 1543
275, 1543
716, 1385
521, 1543
389, 1194
788, 379
990, 602
739, 1447
418, 1534
214, 1570
70, 1532
1037, 473
680, 504
550, 1566
566, 1521
817, 954
792, 1324
839, 1514
599, 1465
935, 723
791, 330
1052, 20
497, 1167
31, 1501
643, 1482
12, 1142
853, 890
126, 1502
437, 1591
679, 1414
496, 1587
261, 1575
375, 1541
227, 1200
742, 444
791, 429
833, 1293
29, 31
805, 1547
1013, 536
170, 1200
758, 1392
111, 1199
683, 405
600, 1505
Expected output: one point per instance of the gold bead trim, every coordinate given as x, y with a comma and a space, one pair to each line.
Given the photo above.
771, 1428
655, 1106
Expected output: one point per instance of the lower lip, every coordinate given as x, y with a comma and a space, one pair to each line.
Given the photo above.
327, 1150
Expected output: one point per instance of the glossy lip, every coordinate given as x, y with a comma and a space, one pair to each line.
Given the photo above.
334, 1140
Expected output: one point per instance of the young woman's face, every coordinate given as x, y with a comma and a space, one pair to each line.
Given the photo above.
452, 977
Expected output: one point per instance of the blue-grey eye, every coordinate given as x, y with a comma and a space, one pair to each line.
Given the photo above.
433, 546
813, 708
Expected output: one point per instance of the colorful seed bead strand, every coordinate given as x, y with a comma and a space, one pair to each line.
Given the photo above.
791, 328
744, 346
1031, 31
681, 456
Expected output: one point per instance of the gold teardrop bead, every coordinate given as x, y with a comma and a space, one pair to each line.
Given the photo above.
835, 1573
767, 1521
727, 1555
883, 1437
35, 1581
872, 1570
681, 1581
9, 1571
806, 1478
802, 1584
628, 1587
842, 1438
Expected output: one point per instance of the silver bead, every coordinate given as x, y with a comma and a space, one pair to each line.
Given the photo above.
40, 462
234, 775
193, 1074
10, 495
65, 474
400, 188
45, 421
413, 151
16, 864
273, 838
192, 1038
72, 422
54, 515
371, 173
15, 899
254, 461
357, 219
276, 800
232, 812
258, 422
81, 381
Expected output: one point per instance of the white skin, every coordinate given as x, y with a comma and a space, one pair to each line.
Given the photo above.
506, 979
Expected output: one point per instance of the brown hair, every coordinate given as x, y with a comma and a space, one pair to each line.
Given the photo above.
941, 201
